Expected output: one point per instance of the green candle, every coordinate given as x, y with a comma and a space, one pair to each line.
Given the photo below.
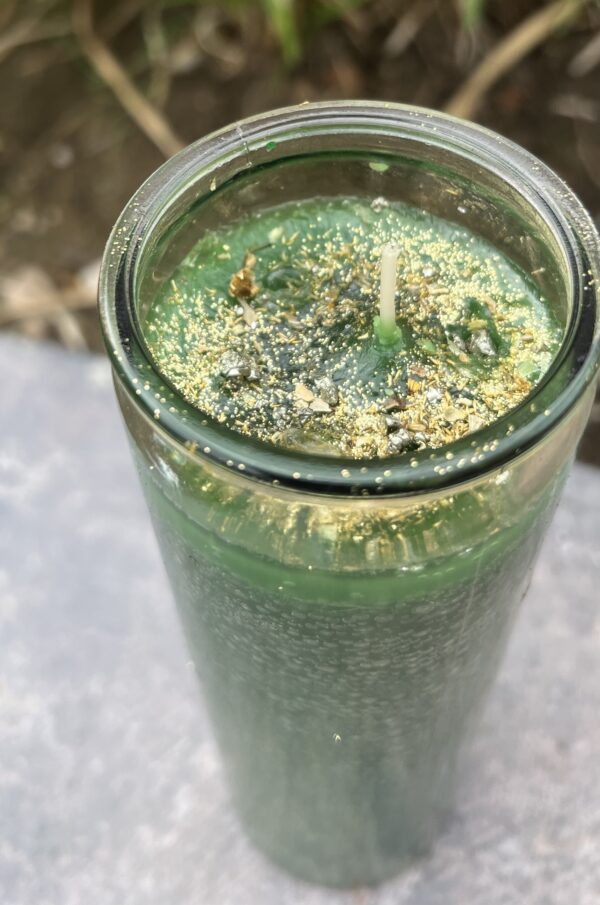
284, 326
354, 358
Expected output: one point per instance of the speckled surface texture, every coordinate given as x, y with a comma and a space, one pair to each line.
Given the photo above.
111, 791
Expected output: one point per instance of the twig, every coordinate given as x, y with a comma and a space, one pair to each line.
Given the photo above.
70, 333
28, 31
109, 28
119, 17
158, 55
407, 28
576, 107
352, 16
107, 67
6, 11
587, 58
510, 51
230, 55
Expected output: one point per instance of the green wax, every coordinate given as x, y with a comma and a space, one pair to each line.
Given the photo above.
272, 327
341, 698
345, 646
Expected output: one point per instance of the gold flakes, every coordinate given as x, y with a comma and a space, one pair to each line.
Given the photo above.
475, 423
320, 406
451, 414
522, 385
302, 392
249, 315
292, 360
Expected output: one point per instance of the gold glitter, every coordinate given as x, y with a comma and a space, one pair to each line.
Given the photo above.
476, 337
302, 392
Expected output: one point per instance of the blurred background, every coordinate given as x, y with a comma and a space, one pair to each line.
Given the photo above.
95, 94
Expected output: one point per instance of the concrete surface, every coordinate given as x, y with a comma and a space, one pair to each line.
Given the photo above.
110, 786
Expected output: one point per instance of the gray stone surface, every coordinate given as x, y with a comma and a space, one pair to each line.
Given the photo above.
110, 786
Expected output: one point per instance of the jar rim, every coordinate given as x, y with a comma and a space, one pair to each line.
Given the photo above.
426, 470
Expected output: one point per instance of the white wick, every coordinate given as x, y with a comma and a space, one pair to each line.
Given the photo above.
387, 292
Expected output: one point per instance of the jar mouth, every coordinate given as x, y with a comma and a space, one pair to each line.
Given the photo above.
150, 218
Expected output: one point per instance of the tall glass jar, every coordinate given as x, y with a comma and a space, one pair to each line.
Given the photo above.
346, 617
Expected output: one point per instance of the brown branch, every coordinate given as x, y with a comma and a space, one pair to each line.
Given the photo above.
587, 59
6, 12
532, 32
69, 331
107, 67
28, 31
119, 17
407, 28
157, 51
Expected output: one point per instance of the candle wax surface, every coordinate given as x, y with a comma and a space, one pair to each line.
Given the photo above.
268, 326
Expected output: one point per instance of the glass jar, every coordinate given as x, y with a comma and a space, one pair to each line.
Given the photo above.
346, 617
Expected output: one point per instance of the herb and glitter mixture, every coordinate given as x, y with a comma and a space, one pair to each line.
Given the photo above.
268, 327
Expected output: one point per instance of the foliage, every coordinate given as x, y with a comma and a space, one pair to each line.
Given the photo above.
282, 16
472, 12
